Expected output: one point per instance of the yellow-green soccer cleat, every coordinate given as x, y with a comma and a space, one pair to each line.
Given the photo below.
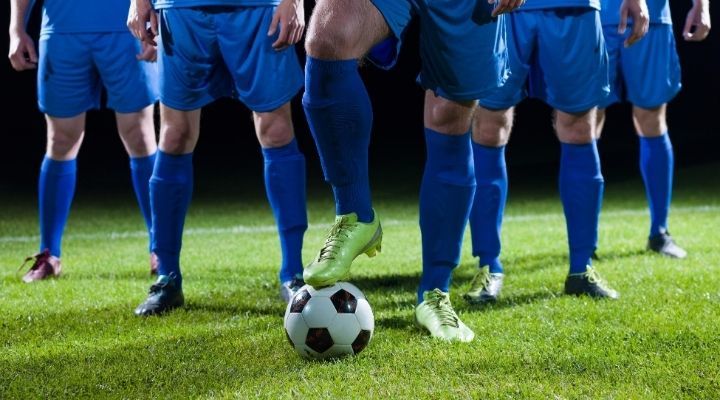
485, 287
436, 314
348, 238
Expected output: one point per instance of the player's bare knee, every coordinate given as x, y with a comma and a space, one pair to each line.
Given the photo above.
274, 128
177, 139
344, 30
492, 128
64, 136
650, 122
575, 128
447, 116
276, 133
64, 146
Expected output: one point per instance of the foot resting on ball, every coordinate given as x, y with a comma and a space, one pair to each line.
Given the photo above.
347, 239
436, 315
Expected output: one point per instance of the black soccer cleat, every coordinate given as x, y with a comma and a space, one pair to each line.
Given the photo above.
164, 295
288, 289
589, 283
664, 244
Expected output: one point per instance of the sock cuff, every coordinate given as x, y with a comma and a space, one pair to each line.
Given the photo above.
143, 162
330, 66
488, 149
446, 142
287, 151
659, 141
59, 167
173, 167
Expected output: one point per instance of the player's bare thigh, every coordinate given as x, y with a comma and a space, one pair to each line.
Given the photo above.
274, 128
344, 29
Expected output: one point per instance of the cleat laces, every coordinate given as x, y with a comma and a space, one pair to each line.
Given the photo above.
339, 232
481, 281
39, 258
440, 304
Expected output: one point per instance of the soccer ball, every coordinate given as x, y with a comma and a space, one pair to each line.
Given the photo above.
329, 322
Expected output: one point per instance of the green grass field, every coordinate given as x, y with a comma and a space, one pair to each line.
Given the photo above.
77, 336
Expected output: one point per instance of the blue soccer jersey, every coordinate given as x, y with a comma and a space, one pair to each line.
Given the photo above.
222, 3
659, 12
84, 16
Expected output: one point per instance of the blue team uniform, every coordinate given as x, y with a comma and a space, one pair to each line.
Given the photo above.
217, 48
85, 45
647, 73
557, 54
463, 49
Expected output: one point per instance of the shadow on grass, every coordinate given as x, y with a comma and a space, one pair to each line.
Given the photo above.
505, 302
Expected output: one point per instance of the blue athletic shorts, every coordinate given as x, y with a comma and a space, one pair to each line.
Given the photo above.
647, 74
74, 67
463, 50
210, 52
556, 55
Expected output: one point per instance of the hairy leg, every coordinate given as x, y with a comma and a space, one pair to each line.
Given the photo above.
336, 103
344, 29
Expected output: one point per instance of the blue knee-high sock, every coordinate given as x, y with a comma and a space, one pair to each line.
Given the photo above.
581, 191
339, 114
170, 191
446, 193
656, 166
488, 204
285, 188
56, 188
141, 169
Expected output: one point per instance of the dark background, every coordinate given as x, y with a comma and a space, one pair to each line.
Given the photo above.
228, 152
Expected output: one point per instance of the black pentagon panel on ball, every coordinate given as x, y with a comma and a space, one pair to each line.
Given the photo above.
344, 302
319, 339
299, 301
361, 341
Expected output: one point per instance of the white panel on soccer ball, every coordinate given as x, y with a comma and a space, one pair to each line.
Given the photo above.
337, 351
296, 328
352, 289
309, 288
326, 291
344, 329
319, 312
364, 315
